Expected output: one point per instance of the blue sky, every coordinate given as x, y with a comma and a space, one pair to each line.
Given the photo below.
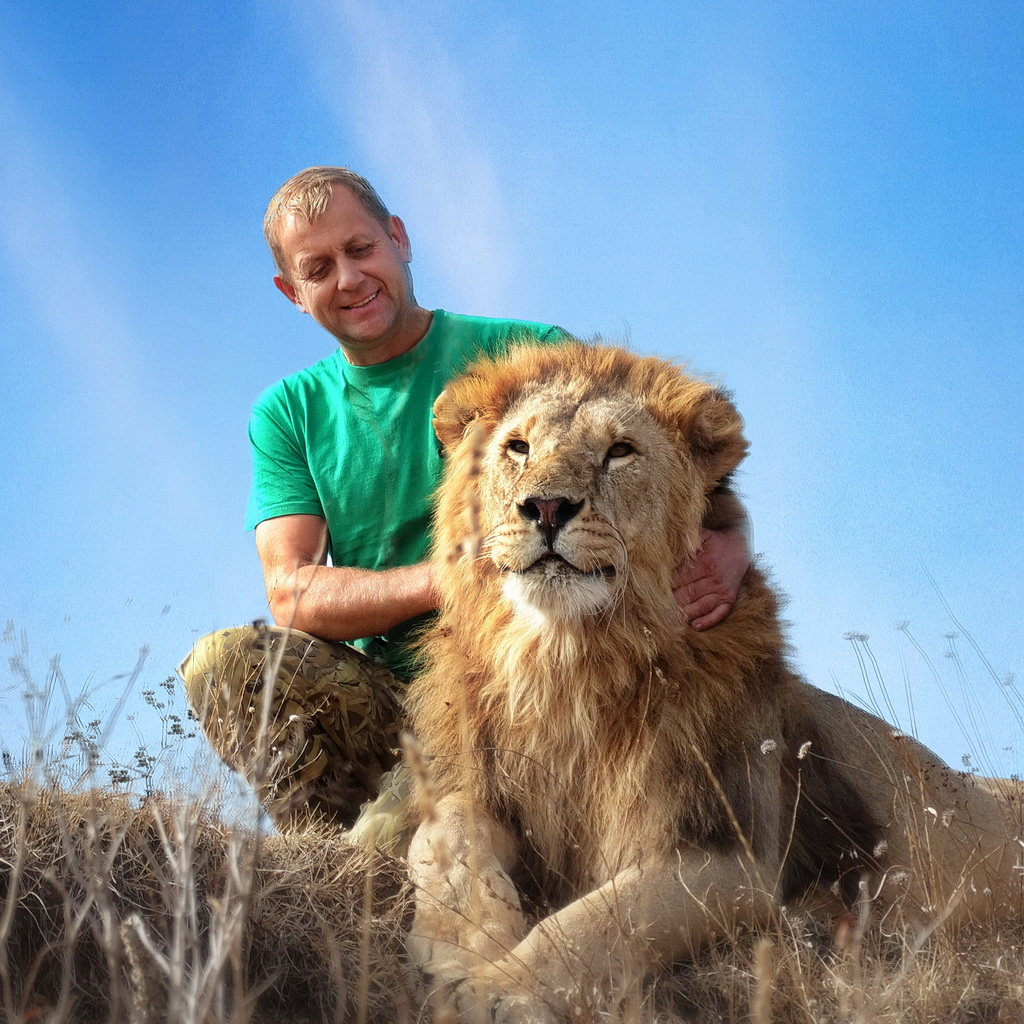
818, 204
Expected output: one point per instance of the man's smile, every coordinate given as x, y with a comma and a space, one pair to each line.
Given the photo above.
365, 302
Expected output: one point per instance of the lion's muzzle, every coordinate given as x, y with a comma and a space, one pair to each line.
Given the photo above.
550, 514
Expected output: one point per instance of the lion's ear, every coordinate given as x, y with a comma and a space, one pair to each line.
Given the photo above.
448, 429
452, 418
714, 430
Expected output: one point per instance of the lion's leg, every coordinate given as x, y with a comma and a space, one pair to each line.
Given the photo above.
608, 939
467, 909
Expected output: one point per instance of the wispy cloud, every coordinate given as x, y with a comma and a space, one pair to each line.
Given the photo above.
391, 82
68, 288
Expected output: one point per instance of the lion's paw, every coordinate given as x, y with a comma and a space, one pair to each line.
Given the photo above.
440, 965
480, 998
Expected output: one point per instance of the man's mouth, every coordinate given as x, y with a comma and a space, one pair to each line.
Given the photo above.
365, 302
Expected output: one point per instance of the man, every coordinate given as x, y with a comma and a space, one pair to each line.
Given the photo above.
344, 464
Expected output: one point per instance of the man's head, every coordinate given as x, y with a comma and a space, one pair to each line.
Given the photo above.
306, 196
343, 259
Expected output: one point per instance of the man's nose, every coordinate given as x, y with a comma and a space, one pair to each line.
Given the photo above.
350, 275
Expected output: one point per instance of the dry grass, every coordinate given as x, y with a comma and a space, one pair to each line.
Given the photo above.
129, 910
798, 975
120, 912
116, 912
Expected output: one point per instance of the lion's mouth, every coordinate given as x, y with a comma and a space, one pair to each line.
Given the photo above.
553, 564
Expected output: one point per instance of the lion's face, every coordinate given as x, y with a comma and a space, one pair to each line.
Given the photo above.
569, 494
582, 485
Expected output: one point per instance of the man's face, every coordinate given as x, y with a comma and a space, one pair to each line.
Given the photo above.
349, 273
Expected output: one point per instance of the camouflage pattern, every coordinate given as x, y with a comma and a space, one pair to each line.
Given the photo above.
334, 722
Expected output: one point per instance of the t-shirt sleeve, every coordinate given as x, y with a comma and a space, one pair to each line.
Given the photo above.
282, 484
553, 336
513, 333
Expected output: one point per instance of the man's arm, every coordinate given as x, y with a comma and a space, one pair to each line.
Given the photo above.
334, 602
341, 603
706, 588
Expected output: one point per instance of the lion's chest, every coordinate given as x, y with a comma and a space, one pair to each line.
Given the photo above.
584, 814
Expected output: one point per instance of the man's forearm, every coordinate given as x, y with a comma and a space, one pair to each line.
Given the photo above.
340, 603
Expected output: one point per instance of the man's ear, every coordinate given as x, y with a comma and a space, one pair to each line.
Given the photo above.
401, 238
287, 289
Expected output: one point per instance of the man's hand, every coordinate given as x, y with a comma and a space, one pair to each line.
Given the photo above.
706, 588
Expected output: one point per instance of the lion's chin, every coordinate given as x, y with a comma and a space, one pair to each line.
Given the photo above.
553, 589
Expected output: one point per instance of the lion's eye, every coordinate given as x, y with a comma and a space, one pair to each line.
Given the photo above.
619, 450
518, 445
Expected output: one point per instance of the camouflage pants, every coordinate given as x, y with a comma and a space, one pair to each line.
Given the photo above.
333, 725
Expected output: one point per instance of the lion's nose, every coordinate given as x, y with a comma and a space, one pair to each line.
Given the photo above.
550, 514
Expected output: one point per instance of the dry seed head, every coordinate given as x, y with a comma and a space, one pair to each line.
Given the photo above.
423, 783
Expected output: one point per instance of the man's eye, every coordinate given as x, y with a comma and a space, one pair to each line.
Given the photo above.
518, 445
620, 450
359, 252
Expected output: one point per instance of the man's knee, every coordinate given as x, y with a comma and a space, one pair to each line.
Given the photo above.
330, 725
222, 662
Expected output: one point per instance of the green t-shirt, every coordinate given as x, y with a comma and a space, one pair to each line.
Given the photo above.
355, 445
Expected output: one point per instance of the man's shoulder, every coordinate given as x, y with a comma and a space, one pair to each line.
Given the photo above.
485, 332
298, 386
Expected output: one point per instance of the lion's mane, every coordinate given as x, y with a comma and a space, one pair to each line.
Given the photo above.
602, 740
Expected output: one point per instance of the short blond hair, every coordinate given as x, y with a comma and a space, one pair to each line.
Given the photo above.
307, 195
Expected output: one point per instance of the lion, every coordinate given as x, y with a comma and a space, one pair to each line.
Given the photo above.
611, 789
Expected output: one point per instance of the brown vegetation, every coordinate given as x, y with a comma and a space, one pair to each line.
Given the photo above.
110, 911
